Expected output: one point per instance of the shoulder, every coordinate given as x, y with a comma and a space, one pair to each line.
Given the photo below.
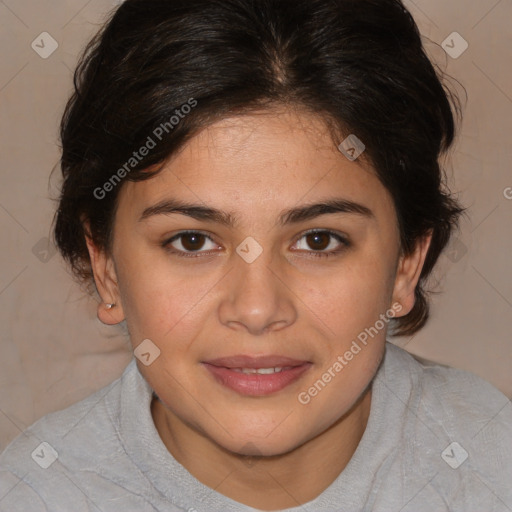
447, 392
454, 430
60, 428
57, 448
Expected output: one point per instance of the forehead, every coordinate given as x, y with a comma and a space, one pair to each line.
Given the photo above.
248, 145
260, 161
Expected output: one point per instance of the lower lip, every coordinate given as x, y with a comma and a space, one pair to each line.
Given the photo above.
255, 384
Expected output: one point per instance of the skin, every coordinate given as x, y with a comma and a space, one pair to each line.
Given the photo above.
287, 302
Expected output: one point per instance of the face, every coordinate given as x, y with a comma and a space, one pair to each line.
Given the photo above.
253, 275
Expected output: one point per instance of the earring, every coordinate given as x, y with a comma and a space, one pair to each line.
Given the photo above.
109, 305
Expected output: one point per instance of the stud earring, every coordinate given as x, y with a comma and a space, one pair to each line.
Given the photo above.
109, 305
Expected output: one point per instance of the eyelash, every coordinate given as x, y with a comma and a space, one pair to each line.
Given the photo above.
315, 254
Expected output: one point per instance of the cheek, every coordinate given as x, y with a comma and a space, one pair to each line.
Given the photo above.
352, 297
153, 299
162, 303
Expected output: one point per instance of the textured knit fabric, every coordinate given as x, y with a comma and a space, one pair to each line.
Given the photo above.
437, 439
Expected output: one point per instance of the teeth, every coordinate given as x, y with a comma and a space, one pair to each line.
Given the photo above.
261, 371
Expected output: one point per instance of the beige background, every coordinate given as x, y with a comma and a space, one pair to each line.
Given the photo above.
55, 352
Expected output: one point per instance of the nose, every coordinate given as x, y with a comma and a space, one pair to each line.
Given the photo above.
257, 297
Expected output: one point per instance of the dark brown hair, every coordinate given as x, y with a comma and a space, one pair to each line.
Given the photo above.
359, 64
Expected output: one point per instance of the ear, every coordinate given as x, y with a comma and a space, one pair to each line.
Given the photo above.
106, 282
408, 274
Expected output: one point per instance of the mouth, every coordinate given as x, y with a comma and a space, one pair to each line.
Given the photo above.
256, 376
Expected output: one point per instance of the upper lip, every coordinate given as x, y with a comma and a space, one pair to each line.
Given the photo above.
246, 361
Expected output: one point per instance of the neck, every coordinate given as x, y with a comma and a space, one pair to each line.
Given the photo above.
266, 483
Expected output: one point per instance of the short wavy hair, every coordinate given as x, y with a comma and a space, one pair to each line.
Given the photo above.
358, 64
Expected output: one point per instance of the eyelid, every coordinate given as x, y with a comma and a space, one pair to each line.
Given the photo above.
335, 234
188, 231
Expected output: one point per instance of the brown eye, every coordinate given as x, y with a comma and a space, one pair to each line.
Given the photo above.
318, 241
192, 241
189, 242
322, 243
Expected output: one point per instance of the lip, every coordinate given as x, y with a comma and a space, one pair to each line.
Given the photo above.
223, 370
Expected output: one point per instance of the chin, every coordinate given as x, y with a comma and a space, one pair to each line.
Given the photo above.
260, 444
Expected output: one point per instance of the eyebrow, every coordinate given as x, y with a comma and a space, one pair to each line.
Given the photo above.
291, 216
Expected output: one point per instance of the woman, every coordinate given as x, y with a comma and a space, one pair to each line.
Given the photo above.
254, 189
